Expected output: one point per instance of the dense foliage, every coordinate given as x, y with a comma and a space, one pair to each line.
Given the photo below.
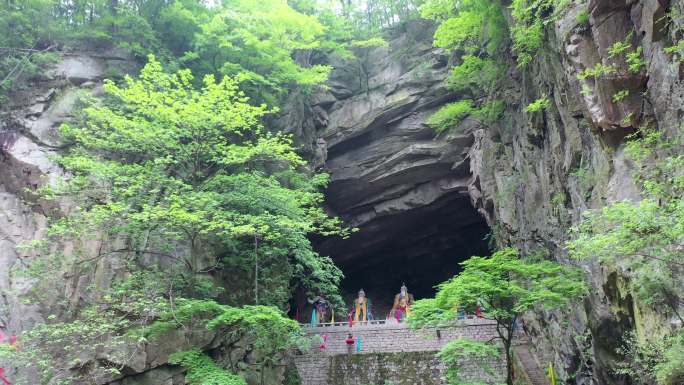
146, 307
202, 213
256, 41
172, 177
263, 44
203, 371
455, 352
184, 189
477, 31
173, 170
506, 286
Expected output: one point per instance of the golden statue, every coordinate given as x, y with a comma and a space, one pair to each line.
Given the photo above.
402, 304
360, 306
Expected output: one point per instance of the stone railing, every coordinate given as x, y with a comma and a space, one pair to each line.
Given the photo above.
383, 336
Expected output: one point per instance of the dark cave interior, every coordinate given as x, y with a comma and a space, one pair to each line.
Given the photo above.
420, 247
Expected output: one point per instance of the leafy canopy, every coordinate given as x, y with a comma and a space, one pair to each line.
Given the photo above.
256, 41
474, 26
506, 286
260, 42
477, 31
177, 170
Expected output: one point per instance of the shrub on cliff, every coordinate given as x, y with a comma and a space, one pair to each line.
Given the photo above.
643, 241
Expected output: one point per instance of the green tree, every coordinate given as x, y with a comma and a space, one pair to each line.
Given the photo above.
477, 31
25, 46
506, 286
670, 369
473, 26
148, 307
268, 331
263, 43
181, 187
192, 176
257, 41
368, 17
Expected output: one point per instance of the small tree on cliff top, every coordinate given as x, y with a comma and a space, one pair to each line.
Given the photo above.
506, 286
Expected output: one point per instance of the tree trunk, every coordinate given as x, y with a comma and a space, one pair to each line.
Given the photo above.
113, 9
509, 362
113, 5
256, 268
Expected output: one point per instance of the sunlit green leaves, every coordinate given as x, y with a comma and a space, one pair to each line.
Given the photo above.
670, 371
472, 26
202, 370
161, 160
450, 115
531, 16
505, 285
476, 29
644, 238
256, 41
460, 31
474, 73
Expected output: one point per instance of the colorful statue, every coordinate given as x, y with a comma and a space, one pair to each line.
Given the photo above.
461, 312
361, 307
402, 304
320, 309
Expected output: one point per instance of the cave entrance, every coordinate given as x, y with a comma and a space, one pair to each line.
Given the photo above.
420, 247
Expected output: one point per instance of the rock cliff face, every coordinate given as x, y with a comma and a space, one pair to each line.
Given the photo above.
421, 202
529, 176
28, 142
538, 172
405, 189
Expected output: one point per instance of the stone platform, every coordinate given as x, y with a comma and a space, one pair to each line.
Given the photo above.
390, 353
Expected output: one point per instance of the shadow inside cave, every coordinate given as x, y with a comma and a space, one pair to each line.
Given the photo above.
421, 247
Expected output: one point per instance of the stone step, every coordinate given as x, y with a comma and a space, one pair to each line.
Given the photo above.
530, 364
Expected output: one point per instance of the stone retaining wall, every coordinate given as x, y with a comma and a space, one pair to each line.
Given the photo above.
390, 353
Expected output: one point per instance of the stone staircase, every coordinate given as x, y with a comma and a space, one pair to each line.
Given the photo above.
534, 371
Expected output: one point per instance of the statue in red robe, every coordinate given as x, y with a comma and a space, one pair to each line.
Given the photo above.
402, 304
